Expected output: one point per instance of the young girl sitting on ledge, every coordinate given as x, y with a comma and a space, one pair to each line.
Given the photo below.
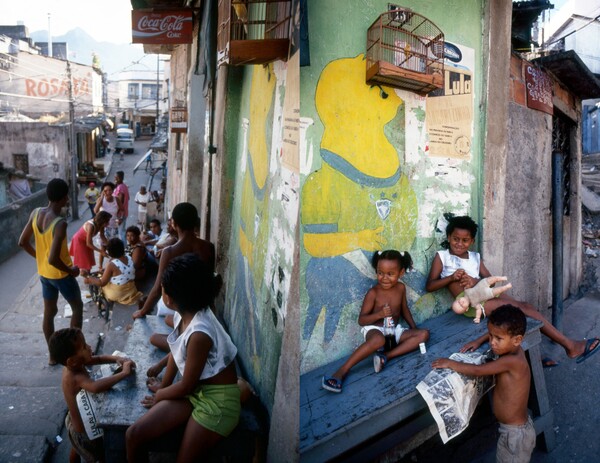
118, 277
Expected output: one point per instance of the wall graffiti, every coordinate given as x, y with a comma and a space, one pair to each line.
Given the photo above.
359, 200
261, 257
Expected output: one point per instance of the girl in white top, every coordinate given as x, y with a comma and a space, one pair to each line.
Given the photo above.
461, 232
457, 268
207, 398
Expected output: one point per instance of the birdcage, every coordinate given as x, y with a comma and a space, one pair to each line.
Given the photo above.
253, 31
405, 50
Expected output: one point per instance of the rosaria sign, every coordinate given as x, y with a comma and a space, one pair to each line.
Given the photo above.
162, 27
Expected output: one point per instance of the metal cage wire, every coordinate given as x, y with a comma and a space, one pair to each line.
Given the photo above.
405, 50
253, 31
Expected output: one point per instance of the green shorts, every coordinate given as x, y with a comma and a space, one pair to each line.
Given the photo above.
216, 407
472, 311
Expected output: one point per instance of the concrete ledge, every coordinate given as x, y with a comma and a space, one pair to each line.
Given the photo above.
13, 218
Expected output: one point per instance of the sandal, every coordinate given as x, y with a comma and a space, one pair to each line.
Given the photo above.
331, 384
379, 361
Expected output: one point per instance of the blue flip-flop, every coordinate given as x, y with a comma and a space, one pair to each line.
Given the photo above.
589, 350
331, 384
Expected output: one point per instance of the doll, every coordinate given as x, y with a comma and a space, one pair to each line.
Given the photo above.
479, 293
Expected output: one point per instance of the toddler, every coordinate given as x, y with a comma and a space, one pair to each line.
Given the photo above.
382, 309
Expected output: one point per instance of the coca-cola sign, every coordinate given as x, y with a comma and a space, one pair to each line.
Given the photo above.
162, 27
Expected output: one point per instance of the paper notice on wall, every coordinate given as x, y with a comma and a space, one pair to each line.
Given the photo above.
291, 116
449, 124
449, 110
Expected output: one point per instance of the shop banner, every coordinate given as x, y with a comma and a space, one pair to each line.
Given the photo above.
162, 27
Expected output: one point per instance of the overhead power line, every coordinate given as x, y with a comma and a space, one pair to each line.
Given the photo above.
547, 44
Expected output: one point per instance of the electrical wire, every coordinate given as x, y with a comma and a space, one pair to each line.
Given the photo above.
547, 44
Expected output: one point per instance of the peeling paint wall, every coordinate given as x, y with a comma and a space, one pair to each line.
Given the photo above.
526, 244
46, 147
179, 150
264, 217
45, 83
375, 175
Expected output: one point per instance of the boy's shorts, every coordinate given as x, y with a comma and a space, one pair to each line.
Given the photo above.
89, 450
516, 443
398, 330
216, 407
67, 286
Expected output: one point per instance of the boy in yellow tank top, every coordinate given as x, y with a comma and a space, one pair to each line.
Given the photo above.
54, 265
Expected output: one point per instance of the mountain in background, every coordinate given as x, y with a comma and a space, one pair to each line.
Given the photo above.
114, 58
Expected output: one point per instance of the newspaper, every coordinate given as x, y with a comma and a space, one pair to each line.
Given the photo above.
86, 401
452, 397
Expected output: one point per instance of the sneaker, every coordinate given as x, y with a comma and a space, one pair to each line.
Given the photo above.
379, 360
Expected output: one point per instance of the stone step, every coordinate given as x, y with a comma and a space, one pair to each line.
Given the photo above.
32, 411
23, 449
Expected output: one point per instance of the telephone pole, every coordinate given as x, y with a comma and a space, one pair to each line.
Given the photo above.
73, 148
157, 93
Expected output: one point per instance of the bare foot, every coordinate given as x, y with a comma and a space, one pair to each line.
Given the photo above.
154, 370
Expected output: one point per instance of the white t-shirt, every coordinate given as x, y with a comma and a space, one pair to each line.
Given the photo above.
451, 263
222, 352
142, 199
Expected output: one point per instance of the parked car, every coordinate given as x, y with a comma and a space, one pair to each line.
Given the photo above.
124, 141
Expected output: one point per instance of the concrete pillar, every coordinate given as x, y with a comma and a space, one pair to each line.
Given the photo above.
497, 48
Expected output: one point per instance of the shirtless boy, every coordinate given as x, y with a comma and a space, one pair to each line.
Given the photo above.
506, 327
185, 219
69, 348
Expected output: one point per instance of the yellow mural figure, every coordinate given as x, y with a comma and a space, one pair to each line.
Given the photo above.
359, 201
253, 229
257, 163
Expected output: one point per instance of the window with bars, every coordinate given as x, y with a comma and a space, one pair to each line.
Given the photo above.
133, 91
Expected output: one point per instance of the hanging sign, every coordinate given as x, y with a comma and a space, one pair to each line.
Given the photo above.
539, 90
162, 27
179, 120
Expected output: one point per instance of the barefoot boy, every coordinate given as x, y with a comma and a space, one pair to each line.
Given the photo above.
69, 348
506, 327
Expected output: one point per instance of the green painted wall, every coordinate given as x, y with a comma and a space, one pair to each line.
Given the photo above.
368, 177
260, 254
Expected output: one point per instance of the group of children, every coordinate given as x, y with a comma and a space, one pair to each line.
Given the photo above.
206, 400
464, 274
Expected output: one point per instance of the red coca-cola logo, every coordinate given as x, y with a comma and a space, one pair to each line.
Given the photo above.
163, 27
168, 23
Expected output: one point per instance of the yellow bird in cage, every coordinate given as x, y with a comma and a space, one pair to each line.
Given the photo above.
242, 13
